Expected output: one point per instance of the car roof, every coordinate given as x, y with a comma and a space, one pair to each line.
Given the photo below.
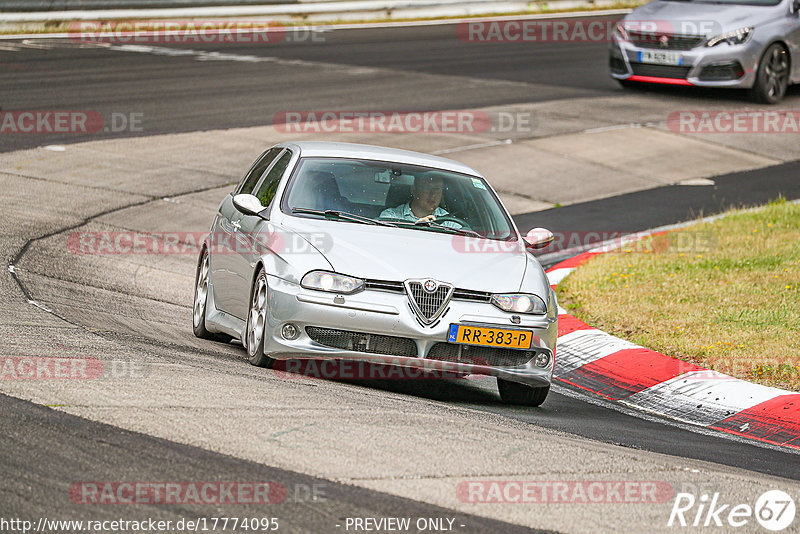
371, 152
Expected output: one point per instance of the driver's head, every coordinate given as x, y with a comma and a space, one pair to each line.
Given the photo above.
426, 194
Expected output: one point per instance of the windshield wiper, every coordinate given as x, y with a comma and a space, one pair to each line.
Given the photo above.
334, 214
460, 231
437, 226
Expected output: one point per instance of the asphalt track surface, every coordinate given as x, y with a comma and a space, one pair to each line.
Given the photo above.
101, 452
190, 95
198, 95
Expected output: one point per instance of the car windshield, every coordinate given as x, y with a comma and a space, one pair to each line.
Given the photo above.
395, 194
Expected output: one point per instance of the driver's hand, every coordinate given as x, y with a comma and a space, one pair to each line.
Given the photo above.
426, 219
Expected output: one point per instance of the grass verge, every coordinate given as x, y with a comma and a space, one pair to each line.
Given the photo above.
723, 294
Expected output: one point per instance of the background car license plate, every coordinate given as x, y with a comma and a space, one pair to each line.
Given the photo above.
493, 337
661, 58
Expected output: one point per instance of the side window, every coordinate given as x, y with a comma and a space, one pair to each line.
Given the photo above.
267, 189
251, 179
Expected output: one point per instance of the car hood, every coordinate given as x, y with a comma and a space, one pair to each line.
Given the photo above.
709, 19
396, 254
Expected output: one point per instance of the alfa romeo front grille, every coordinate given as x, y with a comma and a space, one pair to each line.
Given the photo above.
363, 342
458, 294
428, 303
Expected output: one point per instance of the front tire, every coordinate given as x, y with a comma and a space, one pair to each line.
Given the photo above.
201, 302
515, 393
772, 78
257, 326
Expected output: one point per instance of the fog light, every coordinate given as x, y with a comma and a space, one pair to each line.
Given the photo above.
542, 360
290, 331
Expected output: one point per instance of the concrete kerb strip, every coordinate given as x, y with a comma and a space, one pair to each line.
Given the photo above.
621, 371
333, 14
456, 7
332, 24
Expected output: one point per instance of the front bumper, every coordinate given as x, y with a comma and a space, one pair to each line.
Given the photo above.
385, 313
719, 66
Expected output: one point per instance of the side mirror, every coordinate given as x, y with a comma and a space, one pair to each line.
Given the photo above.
538, 238
248, 204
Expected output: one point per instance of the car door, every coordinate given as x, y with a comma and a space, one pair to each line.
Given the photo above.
254, 235
793, 39
226, 238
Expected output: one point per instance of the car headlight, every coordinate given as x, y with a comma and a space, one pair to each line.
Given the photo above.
620, 32
519, 303
332, 282
735, 37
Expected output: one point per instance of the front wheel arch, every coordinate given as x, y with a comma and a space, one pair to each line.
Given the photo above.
786, 47
759, 92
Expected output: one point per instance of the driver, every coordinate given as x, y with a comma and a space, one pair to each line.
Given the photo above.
426, 194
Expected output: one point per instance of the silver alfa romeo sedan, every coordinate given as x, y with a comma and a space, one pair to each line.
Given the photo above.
360, 253
750, 44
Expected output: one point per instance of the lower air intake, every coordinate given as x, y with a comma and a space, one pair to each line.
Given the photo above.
489, 356
363, 342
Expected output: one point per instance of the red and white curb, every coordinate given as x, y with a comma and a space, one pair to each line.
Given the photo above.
595, 361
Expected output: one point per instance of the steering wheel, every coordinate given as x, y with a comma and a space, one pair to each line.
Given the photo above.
451, 218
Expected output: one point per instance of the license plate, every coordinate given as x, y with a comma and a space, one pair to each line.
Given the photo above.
491, 337
660, 58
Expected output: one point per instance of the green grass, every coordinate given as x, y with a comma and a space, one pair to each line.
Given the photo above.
723, 294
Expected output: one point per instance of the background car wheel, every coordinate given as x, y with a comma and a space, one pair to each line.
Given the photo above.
200, 301
514, 393
772, 78
257, 329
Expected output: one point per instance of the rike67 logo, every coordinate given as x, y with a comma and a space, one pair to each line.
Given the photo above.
774, 510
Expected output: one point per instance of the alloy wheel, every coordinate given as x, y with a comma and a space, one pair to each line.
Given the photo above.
257, 317
201, 292
777, 72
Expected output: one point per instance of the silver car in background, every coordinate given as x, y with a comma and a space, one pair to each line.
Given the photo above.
303, 263
750, 44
